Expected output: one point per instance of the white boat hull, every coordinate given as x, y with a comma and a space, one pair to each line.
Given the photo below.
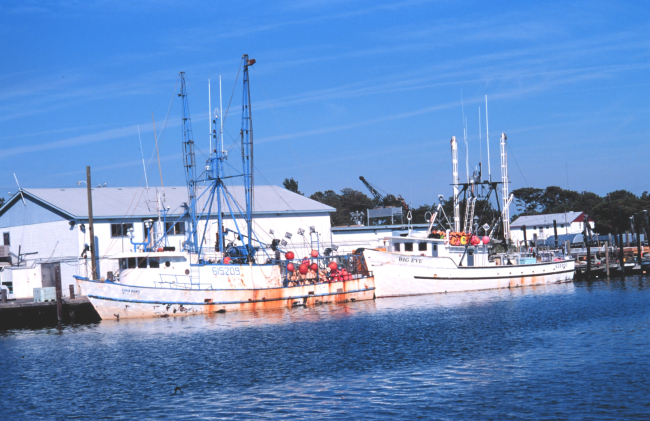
114, 300
399, 275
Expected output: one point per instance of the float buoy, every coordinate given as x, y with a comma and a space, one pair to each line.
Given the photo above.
289, 255
291, 267
303, 269
314, 253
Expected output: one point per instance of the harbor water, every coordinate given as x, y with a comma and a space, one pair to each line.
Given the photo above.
568, 351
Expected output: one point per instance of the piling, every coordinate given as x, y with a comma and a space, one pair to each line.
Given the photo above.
91, 228
555, 231
607, 257
59, 293
586, 221
621, 256
637, 225
72, 292
525, 239
4, 295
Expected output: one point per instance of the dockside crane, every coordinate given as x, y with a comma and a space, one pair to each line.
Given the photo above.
378, 197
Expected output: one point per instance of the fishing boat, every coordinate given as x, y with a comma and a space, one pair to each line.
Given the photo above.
155, 280
455, 260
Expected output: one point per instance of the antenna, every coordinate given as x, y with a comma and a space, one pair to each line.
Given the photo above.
487, 135
158, 153
20, 190
465, 136
480, 145
144, 168
220, 114
209, 117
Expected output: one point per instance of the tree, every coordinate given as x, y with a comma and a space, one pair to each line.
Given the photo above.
348, 201
291, 185
529, 200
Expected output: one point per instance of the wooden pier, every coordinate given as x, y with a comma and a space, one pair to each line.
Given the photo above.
26, 313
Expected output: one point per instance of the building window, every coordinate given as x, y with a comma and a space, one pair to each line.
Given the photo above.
397, 246
5, 238
408, 246
177, 228
120, 230
422, 246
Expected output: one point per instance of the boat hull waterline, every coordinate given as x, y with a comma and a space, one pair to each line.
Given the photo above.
114, 300
399, 275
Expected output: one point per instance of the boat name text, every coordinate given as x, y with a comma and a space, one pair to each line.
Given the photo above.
410, 260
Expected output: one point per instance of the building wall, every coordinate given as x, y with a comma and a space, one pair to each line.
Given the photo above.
545, 231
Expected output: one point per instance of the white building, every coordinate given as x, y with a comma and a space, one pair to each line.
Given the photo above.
349, 238
49, 227
540, 227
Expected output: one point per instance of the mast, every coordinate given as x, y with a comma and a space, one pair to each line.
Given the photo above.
220, 114
209, 117
487, 135
189, 162
454, 168
504, 179
247, 154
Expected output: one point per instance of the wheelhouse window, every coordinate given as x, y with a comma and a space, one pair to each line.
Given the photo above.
6, 239
142, 262
154, 262
177, 228
120, 230
130, 261
397, 246
422, 246
408, 246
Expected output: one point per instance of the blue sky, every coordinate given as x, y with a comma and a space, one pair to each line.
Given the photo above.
340, 89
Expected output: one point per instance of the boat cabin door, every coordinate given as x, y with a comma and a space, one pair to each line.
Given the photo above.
434, 249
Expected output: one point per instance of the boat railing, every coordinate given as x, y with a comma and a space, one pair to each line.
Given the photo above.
348, 267
171, 281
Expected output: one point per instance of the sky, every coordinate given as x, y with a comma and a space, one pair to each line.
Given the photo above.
340, 89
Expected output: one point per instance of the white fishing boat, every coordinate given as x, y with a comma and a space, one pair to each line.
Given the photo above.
154, 280
452, 260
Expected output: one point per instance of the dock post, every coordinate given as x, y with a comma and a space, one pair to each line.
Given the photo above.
72, 292
555, 232
4, 295
525, 240
607, 257
59, 293
586, 221
91, 228
621, 253
637, 225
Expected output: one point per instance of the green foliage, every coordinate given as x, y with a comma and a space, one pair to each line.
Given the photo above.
348, 201
291, 185
553, 199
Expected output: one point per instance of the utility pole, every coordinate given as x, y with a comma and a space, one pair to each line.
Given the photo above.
91, 228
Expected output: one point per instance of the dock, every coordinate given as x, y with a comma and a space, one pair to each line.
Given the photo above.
26, 313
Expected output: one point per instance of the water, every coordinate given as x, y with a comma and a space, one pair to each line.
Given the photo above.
570, 351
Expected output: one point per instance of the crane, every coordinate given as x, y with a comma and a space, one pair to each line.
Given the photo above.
378, 197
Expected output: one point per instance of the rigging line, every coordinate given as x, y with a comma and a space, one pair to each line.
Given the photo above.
513, 155
259, 81
233, 92
169, 108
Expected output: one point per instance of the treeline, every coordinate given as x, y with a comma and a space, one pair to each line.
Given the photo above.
528, 201
604, 210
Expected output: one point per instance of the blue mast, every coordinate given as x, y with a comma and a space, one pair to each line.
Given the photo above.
189, 163
247, 154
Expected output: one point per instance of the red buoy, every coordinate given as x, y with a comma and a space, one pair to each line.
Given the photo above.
314, 253
303, 269
227, 260
291, 267
333, 266
475, 240
289, 255
486, 239
314, 267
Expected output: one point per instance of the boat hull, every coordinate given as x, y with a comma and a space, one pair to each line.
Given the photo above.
399, 275
114, 300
